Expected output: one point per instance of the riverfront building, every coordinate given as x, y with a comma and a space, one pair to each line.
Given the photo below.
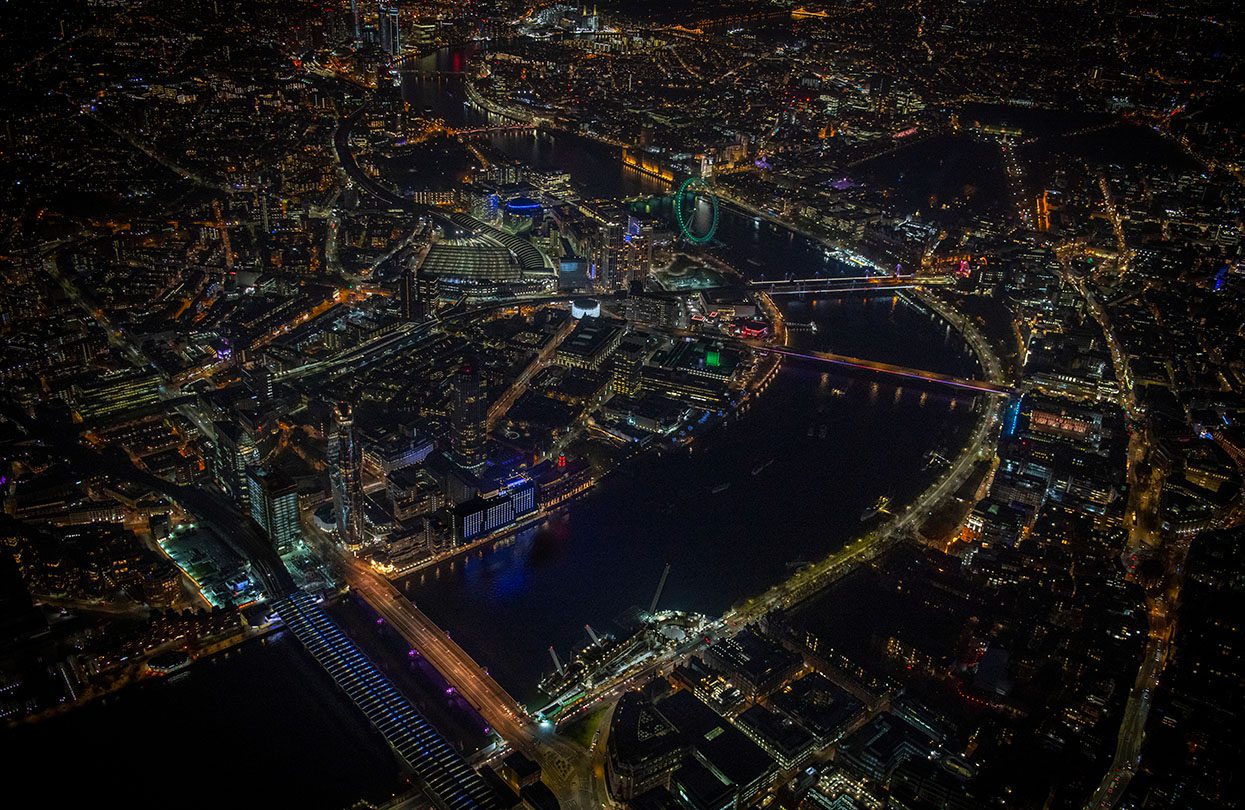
644, 748
756, 664
490, 511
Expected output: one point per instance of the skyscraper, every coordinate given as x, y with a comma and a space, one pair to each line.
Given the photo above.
345, 459
354, 12
410, 298
468, 414
274, 505
235, 452
260, 380
390, 32
611, 247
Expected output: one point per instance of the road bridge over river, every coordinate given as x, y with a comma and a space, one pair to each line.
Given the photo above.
840, 284
877, 367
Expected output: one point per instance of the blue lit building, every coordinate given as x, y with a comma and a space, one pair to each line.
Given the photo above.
519, 214
490, 511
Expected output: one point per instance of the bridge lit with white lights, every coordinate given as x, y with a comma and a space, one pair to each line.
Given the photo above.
493, 130
838, 284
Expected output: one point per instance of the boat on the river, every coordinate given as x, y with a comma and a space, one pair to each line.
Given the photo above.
878, 508
607, 660
168, 662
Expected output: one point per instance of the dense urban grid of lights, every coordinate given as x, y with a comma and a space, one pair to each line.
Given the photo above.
723, 404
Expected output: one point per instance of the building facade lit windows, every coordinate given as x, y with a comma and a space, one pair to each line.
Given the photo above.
491, 511
345, 459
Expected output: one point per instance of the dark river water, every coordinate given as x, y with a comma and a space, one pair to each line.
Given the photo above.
824, 446
260, 726
829, 444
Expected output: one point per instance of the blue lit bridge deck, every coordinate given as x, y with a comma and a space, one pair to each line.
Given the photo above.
450, 783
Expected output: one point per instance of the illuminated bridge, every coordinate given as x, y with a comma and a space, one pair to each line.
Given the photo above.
978, 386
467, 133
410, 61
443, 775
800, 286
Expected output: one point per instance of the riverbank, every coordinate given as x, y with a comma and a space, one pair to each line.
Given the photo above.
755, 385
780, 485
810, 580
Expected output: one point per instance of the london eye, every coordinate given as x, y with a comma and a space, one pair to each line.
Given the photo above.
687, 200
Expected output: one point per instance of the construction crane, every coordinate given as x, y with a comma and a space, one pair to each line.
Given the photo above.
661, 584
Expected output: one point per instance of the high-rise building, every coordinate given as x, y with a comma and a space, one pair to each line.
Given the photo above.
609, 253
626, 368
260, 380
428, 288
354, 12
395, 30
274, 505
468, 414
411, 296
345, 459
236, 450
390, 31
637, 253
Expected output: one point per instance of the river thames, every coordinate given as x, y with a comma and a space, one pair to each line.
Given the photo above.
264, 714
786, 484
824, 447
